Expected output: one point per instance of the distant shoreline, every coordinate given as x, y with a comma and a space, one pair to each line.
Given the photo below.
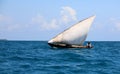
3, 39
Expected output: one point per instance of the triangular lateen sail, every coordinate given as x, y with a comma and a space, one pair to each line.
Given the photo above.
74, 35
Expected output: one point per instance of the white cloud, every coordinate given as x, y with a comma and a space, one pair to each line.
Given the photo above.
117, 26
38, 19
5, 19
50, 25
6, 23
2, 18
67, 15
13, 27
10, 27
116, 23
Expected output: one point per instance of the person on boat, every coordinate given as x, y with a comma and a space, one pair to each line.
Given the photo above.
68, 45
89, 45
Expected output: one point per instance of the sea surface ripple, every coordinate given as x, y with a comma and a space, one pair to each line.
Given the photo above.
37, 57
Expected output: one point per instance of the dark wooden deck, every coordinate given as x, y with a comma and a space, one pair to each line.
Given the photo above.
68, 46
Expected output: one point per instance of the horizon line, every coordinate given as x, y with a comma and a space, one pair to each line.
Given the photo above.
48, 40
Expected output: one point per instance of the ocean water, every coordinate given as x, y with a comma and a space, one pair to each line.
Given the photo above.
37, 57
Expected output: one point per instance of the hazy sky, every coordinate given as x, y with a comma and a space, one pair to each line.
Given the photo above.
43, 19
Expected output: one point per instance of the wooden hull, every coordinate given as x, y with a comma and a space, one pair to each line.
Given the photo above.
68, 46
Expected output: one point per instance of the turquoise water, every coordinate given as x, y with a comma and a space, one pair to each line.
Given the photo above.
37, 57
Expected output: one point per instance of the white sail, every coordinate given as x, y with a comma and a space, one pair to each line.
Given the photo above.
74, 35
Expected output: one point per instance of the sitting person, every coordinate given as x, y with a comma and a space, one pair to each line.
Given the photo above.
89, 45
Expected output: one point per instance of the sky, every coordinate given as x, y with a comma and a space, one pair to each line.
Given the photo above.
44, 19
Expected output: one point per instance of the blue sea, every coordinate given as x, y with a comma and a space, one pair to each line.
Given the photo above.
37, 57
